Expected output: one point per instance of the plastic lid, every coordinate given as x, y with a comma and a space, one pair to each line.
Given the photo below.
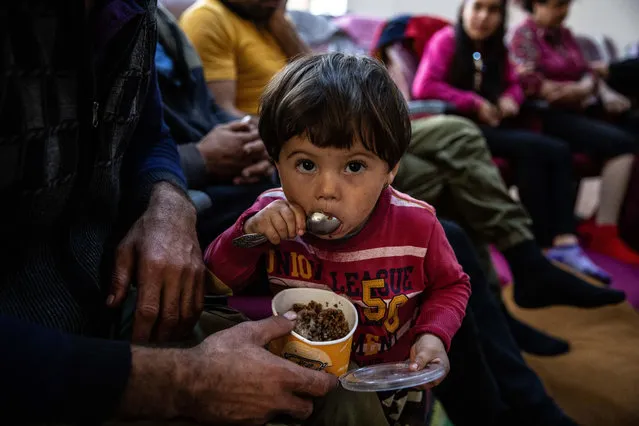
391, 376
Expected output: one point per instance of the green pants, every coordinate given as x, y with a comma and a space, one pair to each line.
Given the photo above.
448, 164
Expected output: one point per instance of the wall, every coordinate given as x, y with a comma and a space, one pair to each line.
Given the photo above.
616, 18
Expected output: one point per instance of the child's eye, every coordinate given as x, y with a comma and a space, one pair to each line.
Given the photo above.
305, 166
355, 167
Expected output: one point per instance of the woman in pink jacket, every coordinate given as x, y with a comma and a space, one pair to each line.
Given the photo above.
467, 65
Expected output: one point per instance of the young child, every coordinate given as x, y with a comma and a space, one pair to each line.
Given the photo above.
336, 127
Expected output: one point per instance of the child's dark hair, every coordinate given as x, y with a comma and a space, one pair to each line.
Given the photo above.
336, 99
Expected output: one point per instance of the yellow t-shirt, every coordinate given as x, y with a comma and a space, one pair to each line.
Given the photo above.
232, 48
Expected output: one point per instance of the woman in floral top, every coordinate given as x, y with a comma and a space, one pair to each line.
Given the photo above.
552, 67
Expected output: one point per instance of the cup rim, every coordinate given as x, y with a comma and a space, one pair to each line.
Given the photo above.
317, 290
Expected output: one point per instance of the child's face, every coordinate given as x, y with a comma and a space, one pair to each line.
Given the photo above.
345, 183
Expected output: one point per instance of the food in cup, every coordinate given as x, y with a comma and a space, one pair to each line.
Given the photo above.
331, 356
319, 324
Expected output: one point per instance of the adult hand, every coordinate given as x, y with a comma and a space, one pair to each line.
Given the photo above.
223, 148
550, 90
260, 167
429, 349
255, 173
570, 94
162, 254
567, 94
508, 107
489, 114
229, 378
601, 68
614, 102
524, 68
252, 385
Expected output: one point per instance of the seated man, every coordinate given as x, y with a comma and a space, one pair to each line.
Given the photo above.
242, 44
78, 181
220, 154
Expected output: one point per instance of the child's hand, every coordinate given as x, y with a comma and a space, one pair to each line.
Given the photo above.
428, 349
278, 221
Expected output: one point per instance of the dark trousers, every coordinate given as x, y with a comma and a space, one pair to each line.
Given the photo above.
624, 77
489, 380
584, 133
543, 174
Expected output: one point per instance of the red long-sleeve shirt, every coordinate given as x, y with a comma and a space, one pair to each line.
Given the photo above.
399, 271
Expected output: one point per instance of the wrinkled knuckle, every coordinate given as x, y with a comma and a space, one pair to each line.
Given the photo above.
179, 263
282, 229
119, 276
273, 237
122, 249
246, 329
171, 320
199, 269
148, 311
155, 259
324, 386
199, 304
186, 314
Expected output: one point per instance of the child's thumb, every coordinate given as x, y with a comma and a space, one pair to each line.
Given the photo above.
420, 361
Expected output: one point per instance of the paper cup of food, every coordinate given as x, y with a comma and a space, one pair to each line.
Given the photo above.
324, 330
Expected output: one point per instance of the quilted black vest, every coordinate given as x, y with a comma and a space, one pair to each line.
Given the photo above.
66, 121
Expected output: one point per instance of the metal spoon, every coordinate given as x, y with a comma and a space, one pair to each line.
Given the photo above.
317, 223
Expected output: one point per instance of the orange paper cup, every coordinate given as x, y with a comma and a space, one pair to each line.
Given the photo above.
332, 356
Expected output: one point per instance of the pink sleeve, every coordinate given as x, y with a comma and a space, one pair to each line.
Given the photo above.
445, 299
573, 45
431, 79
236, 267
525, 51
513, 87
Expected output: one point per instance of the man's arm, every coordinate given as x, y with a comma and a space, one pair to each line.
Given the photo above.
229, 378
48, 376
224, 92
160, 251
193, 164
152, 156
214, 39
286, 34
